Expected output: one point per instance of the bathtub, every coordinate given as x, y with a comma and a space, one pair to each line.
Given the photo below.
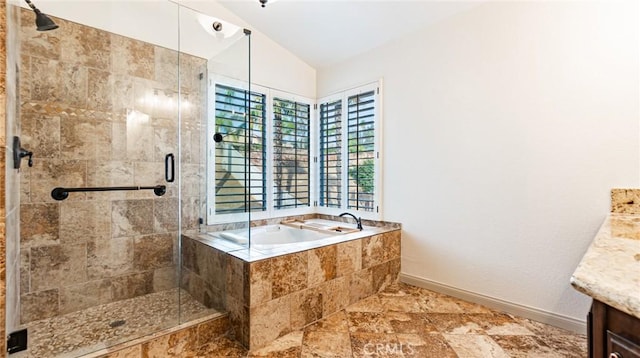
270, 236
273, 240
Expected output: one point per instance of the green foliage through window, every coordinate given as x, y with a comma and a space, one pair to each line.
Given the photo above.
363, 174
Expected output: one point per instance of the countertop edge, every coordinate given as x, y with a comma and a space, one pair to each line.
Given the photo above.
618, 303
615, 285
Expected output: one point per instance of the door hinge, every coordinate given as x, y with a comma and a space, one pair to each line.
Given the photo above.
17, 341
315, 106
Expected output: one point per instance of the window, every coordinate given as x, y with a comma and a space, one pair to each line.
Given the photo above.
239, 160
291, 123
348, 151
361, 149
330, 161
283, 155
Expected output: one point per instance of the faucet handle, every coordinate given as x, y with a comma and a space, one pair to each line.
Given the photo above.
26, 153
19, 153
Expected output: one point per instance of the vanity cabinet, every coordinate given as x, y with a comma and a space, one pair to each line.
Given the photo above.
612, 333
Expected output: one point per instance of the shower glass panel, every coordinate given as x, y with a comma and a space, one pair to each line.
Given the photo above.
111, 104
233, 173
210, 49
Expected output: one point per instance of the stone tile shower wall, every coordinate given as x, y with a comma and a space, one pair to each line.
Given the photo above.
100, 109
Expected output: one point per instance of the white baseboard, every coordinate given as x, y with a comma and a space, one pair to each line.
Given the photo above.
554, 319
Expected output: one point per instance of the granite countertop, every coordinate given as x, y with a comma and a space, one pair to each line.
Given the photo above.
610, 269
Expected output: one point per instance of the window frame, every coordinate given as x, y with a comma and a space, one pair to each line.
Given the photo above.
312, 154
327, 100
212, 217
376, 214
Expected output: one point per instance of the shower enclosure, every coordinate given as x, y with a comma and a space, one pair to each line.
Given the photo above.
116, 105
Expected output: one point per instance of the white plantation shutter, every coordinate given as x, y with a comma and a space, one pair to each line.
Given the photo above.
348, 159
330, 158
291, 154
361, 149
240, 181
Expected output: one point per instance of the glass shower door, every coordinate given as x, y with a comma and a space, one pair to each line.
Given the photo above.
219, 128
119, 119
214, 77
99, 106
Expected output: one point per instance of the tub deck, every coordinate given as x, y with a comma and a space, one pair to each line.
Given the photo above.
262, 252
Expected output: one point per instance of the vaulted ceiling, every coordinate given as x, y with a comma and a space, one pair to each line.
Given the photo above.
325, 32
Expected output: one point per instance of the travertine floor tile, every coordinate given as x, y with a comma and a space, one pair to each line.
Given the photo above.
475, 346
431, 325
499, 323
453, 323
372, 322
286, 346
429, 345
407, 321
221, 347
411, 323
469, 307
406, 303
524, 346
337, 322
567, 345
326, 344
540, 328
375, 345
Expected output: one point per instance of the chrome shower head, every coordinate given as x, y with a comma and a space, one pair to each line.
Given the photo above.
43, 22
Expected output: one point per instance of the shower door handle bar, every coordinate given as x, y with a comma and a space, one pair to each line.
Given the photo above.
63, 193
169, 160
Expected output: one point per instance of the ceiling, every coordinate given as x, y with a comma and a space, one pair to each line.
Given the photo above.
325, 32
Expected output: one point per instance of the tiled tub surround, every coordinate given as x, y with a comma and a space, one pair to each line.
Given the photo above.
203, 273
610, 269
84, 115
269, 296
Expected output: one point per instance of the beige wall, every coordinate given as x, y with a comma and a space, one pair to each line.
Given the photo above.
506, 127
